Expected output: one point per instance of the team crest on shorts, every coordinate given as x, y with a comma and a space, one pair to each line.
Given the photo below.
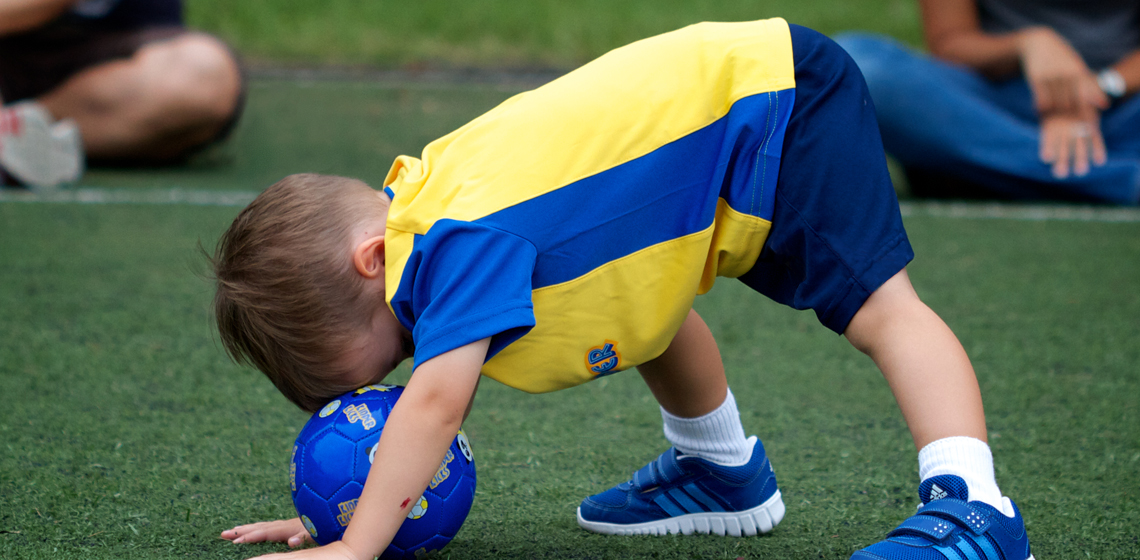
603, 359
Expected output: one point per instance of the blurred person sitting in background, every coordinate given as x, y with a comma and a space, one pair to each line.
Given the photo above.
1020, 99
117, 81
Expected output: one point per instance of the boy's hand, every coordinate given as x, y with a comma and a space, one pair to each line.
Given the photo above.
332, 551
292, 532
289, 531
415, 439
416, 436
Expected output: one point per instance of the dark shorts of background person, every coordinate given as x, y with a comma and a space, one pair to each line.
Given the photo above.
36, 62
837, 233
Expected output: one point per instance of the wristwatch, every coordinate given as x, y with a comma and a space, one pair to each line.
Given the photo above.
1111, 83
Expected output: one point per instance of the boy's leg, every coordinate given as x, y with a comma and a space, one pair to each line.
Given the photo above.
837, 246
688, 378
697, 408
924, 364
932, 380
713, 480
962, 510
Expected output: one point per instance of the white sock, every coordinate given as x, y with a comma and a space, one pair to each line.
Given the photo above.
968, 458
717, 436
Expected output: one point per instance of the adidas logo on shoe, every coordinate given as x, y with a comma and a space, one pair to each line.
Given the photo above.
936, 493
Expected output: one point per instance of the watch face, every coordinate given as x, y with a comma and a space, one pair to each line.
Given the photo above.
1111, 83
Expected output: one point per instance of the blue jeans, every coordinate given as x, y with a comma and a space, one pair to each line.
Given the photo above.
943, 119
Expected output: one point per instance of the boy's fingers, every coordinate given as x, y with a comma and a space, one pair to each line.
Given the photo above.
256, 535
276, 531
299, 539
231, 534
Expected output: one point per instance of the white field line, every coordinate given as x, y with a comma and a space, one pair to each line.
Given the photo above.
92, 195
202, 197
1022, 212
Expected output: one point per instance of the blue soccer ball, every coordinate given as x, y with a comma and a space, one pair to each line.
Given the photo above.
331, 460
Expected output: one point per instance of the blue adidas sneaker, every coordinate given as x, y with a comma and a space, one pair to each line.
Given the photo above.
947, 527
683, 494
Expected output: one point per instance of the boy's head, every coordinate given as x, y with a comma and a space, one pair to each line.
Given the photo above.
290, 299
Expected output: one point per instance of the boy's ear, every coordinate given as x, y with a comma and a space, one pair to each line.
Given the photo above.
368, 257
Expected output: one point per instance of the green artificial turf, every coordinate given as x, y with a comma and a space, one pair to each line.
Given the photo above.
128, 434
125, 432
502, 33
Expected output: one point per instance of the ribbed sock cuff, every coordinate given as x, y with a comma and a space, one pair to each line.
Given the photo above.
717, 436
966, 457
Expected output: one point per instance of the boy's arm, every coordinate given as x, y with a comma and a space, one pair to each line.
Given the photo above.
415, 440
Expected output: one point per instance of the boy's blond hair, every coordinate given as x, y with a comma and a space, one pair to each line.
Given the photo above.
288, 299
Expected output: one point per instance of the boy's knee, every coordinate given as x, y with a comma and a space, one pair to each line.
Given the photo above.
893, 302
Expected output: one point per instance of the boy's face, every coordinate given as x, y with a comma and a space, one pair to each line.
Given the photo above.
378, 351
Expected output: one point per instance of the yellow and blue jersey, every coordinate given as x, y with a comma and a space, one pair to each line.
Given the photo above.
574, 224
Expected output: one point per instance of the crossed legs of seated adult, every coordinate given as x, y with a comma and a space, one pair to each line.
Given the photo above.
170, 97
944, 120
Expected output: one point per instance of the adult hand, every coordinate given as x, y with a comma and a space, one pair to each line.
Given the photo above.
1060, 80
1070, 143
290, 531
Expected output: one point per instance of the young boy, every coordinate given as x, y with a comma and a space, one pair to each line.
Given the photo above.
563, 235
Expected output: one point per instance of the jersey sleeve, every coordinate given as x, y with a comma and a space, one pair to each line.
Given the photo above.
464, 282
